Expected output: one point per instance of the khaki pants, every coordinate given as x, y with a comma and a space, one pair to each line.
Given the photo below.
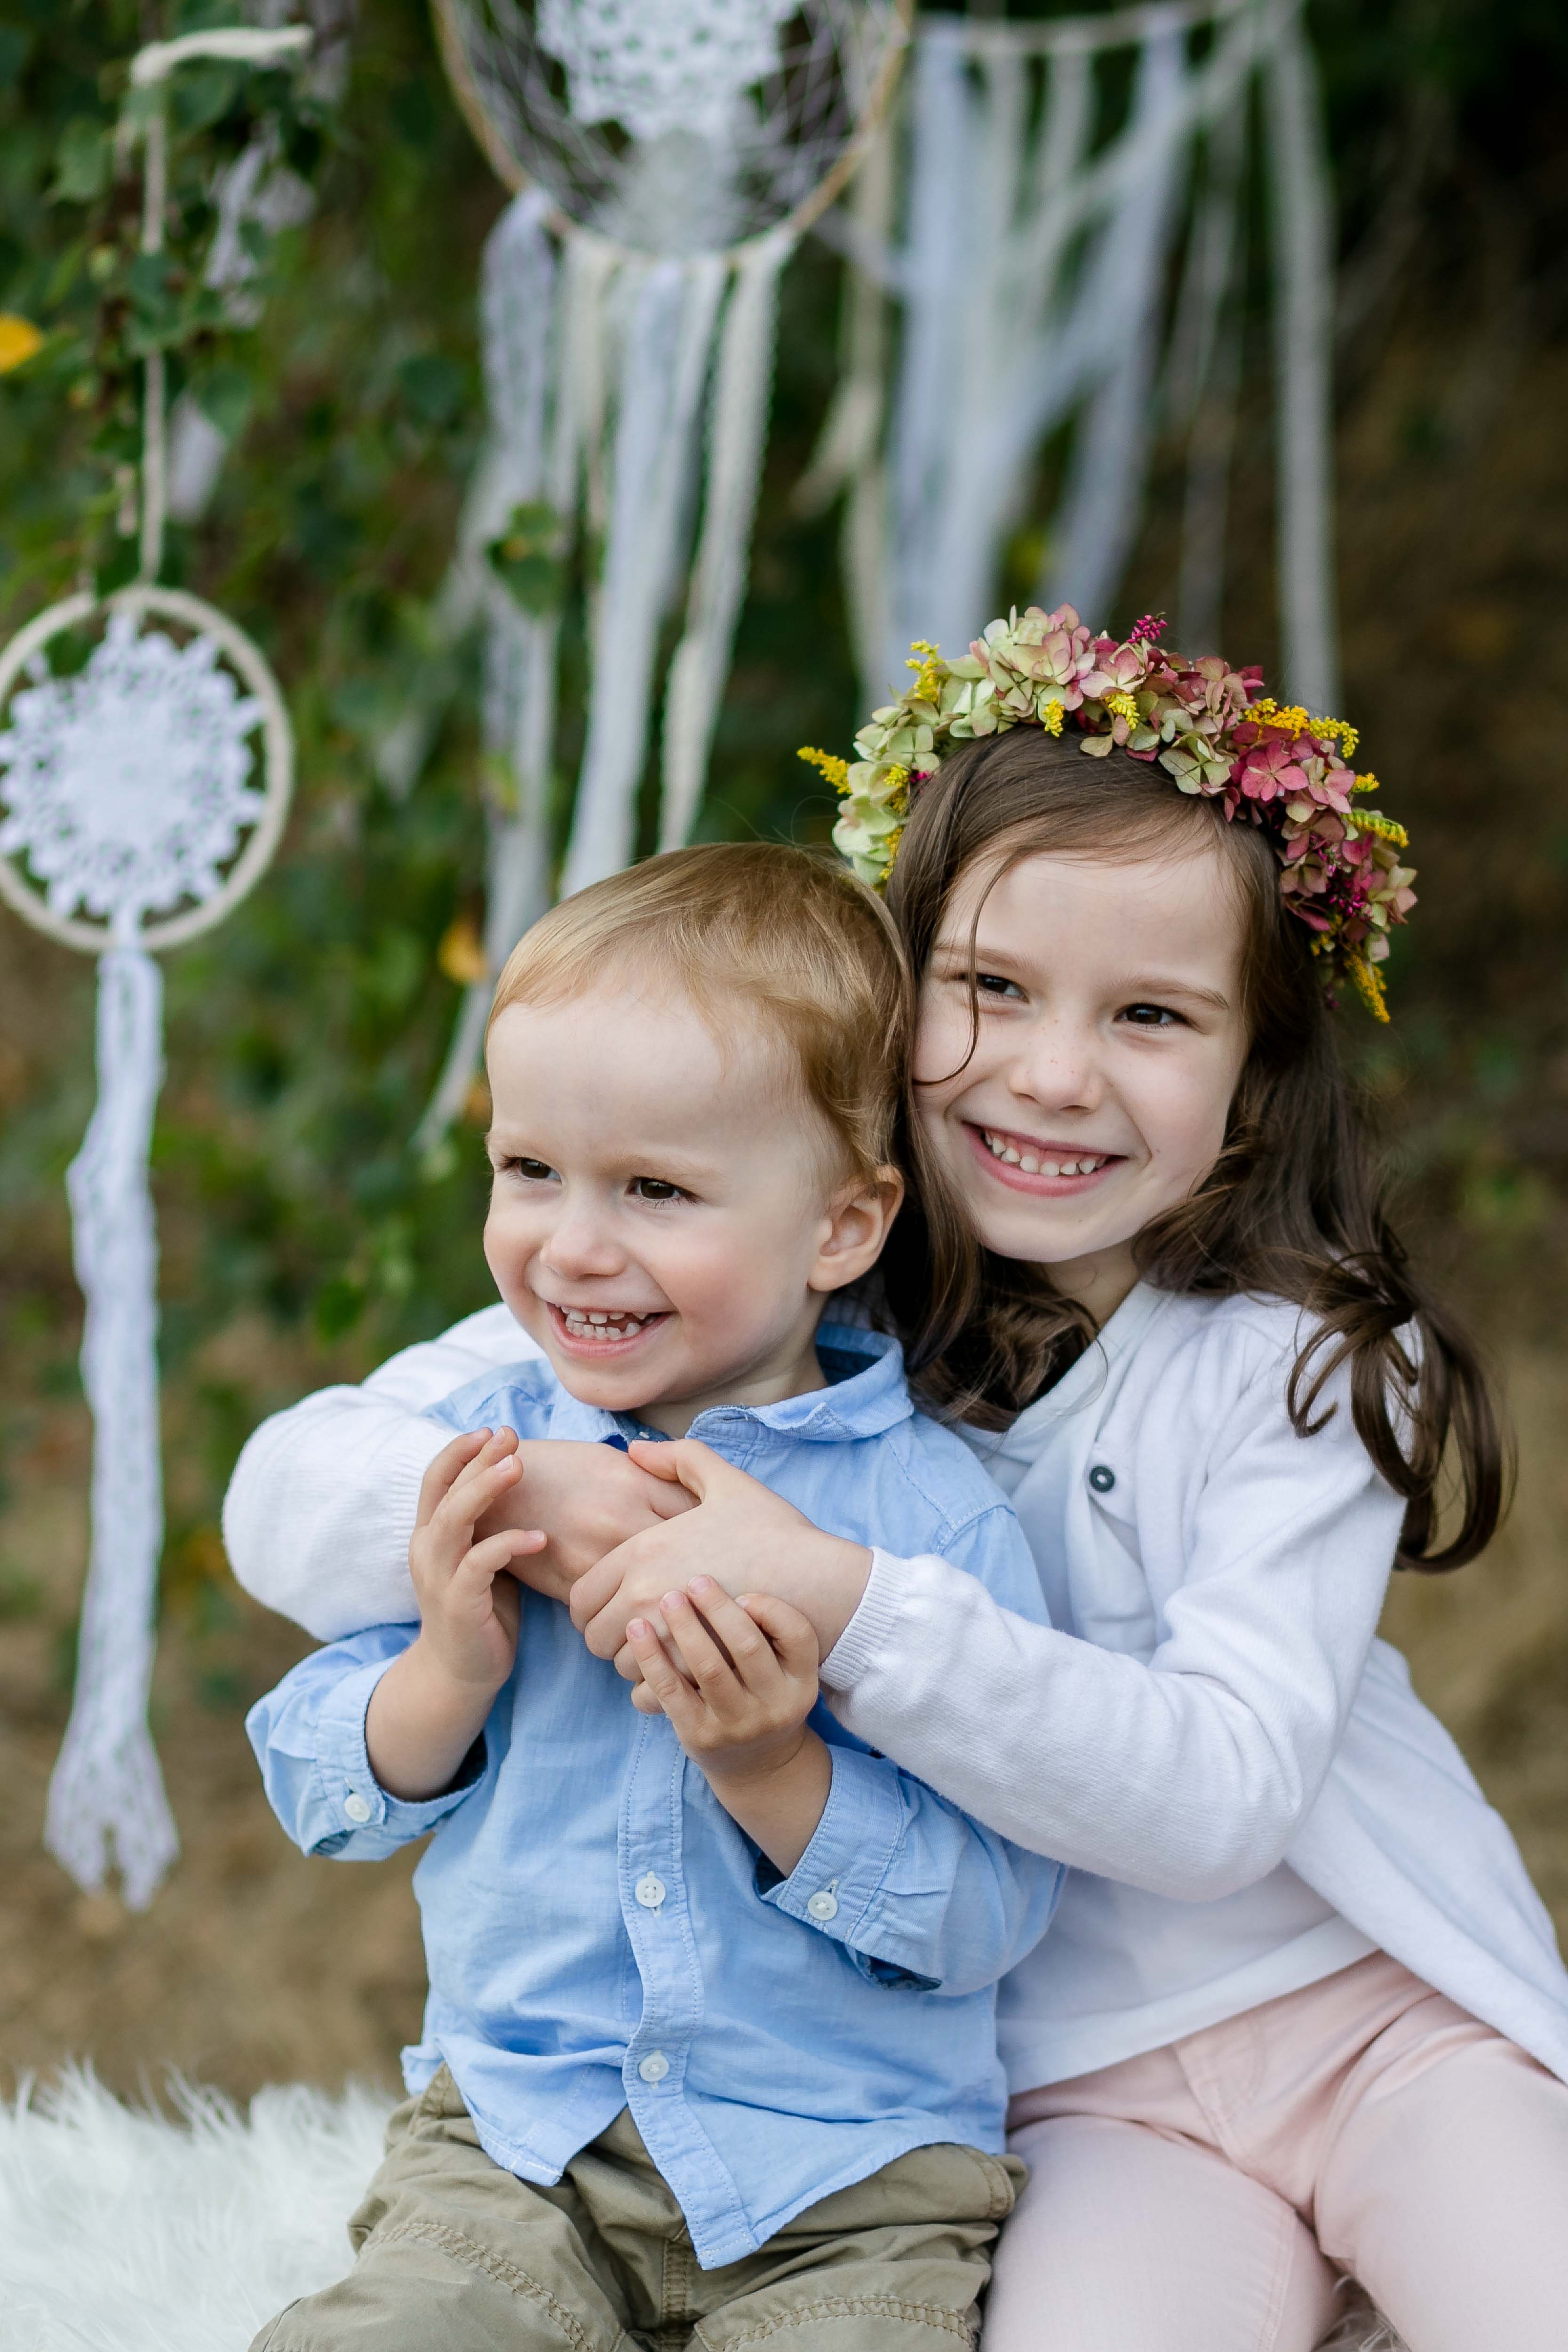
457, 2255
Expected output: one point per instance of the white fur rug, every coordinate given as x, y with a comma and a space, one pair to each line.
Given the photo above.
121, 2231
124, 2230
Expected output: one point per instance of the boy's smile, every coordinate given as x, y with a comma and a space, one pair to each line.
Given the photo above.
664, 1218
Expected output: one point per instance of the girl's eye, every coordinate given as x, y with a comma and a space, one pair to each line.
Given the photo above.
1151, 1016
991, 984
654, 1188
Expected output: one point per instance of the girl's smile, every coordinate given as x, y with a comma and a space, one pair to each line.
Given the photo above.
1078, 1087
1055, 1170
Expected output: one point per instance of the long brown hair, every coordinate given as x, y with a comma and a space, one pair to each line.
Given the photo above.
1292, 1208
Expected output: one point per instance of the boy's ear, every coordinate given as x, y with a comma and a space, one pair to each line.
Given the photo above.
860, 1218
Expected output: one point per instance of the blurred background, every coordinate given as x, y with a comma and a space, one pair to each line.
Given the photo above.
302, 1240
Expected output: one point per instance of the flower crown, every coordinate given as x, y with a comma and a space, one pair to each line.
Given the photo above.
1212, 729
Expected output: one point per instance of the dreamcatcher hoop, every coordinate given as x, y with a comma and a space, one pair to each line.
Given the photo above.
877, 34
203, 620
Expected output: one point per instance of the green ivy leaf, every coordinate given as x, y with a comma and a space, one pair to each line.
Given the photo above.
82, 161
223, 395
432, 387
204, 94
14, 44
528, 558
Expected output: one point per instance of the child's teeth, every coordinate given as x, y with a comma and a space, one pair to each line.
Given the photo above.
1032, 1164
586, 1323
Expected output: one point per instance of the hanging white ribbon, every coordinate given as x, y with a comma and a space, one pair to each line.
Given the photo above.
106, 1802
1031, 277
701, 661
521, 334
1303, 346
1104, 496
666, 352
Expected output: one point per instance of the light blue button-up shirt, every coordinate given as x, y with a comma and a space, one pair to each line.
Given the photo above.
601, 1935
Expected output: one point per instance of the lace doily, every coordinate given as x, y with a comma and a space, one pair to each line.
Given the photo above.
129, 785
654, 65
767, 105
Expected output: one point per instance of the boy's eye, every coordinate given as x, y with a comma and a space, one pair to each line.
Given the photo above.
535, 1172
655, 1188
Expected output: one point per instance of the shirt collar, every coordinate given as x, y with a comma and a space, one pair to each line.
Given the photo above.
869, 1398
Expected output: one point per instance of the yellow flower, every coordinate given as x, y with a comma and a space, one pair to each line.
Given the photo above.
1296, 720
19, 339
931, 671
836, 770
1369, 821
462, 955
1051, 717
1123, 705
1367, 982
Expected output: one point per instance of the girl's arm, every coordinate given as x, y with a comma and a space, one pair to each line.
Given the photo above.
1187, 1774
321, 1506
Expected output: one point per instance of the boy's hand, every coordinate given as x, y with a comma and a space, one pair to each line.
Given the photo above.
429, 1707
740, 1534
587, 1499
741, 1717
469, 1607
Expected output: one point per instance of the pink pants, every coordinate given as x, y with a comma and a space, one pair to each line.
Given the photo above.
1209, 2196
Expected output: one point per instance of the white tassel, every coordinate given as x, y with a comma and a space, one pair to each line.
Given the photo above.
663, 366
106, 1802
1303, 349
701, 662
1105, 491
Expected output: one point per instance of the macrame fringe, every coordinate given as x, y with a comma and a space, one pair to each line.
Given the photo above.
106, 1802
628, 395
1030, 272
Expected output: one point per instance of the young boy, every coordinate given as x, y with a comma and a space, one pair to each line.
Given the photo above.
708, 2055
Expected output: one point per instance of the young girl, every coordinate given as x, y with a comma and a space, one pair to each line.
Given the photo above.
1301, 2013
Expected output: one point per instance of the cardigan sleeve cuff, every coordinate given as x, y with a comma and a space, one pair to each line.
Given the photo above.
872, 1627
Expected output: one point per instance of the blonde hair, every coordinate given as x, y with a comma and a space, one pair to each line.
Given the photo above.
789, 936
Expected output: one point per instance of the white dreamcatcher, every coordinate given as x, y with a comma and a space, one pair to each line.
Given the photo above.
1022, 256
143, 786
667, 156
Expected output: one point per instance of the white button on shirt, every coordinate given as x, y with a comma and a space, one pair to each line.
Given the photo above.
822, 1905
357, 1808
650, 1891
653, 2068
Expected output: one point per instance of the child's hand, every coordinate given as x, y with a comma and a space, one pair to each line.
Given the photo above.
587, 1498
736, 1519
429, 1707
469, 1606
741, 1717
